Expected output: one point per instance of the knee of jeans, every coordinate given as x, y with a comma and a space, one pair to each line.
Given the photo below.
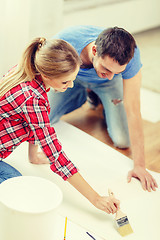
122, 145
120, 141
2, 180
54, 119
14, 174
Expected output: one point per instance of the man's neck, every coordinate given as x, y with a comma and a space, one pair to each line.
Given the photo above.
86, 56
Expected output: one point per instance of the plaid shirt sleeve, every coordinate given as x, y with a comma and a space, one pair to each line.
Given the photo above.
36, 115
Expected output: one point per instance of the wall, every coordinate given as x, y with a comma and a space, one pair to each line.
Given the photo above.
23, 20
134, 15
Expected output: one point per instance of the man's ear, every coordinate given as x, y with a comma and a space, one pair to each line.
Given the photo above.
94, 50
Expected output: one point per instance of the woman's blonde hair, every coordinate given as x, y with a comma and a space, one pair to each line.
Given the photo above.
52, 58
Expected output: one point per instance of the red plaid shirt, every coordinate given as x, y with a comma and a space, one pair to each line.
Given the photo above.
24, 117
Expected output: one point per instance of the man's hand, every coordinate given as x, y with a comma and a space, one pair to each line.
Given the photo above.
146, 179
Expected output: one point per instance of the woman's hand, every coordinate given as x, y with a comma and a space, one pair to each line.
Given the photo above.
107, 204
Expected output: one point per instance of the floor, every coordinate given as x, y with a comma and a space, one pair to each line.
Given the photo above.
92, 122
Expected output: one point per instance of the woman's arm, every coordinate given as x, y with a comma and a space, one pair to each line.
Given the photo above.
106, 204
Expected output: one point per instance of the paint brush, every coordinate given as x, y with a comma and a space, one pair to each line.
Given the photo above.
124, 227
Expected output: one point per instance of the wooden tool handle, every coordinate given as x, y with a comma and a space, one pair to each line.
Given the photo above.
119, 213
110, 193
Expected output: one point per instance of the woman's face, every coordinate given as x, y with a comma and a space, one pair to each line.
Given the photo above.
61, 84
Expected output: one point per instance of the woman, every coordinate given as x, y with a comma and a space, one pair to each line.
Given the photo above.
24, 110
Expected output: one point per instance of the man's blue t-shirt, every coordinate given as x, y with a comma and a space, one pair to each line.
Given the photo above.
80, 36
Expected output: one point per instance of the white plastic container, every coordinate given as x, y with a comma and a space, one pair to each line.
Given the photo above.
28, 208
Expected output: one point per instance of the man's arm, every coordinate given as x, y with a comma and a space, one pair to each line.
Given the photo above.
132, 107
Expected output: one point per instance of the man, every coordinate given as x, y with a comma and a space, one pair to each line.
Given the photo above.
111, 68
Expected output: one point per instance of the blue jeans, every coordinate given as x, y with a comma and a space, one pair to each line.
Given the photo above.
111, 96
7, 171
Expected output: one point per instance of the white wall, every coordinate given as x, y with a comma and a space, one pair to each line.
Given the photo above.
133, 15
21, 21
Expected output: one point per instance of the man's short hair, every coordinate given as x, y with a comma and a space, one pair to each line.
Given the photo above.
116, 43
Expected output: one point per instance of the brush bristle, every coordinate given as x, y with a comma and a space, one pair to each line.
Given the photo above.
125, 230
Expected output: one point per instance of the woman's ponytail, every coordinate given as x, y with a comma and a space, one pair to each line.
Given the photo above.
52, 58
28, 58
25, 70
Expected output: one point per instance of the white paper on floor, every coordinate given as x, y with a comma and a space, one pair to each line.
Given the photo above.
150, 105
103, 167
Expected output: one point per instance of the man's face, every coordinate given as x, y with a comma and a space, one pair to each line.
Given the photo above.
106, 67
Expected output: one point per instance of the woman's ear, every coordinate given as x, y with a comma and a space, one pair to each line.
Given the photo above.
44, 77
94, 50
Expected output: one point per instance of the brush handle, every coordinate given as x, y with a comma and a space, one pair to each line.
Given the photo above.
111, 194
119, 213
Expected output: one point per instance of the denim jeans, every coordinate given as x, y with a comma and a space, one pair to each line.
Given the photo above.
7, 171
111, 96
